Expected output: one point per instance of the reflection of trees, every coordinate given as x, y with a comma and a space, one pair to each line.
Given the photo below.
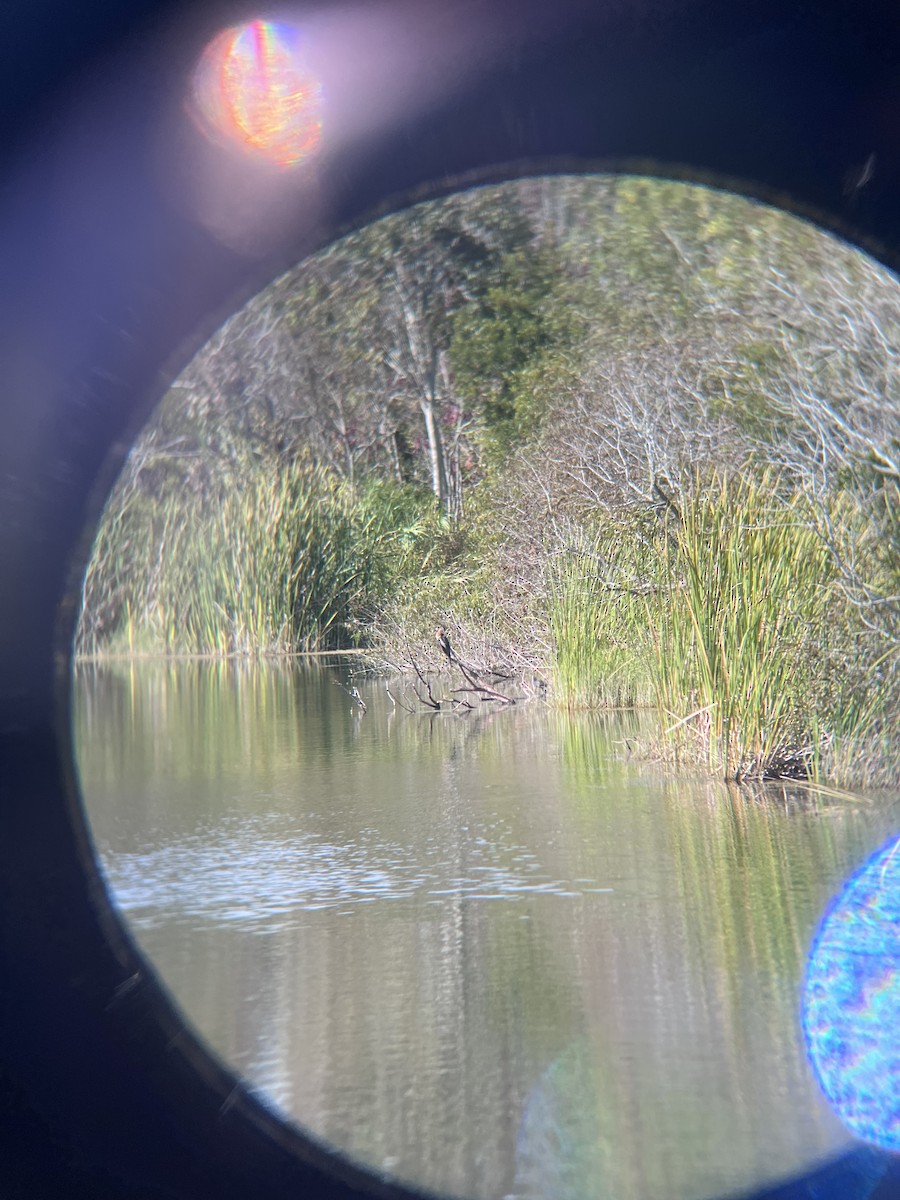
436, 1035
691, 1079
570, 1144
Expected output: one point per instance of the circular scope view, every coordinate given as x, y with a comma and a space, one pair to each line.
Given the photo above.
487, 675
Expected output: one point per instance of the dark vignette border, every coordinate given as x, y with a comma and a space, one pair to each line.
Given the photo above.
103, 1092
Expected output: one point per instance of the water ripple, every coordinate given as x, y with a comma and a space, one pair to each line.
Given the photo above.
250, 879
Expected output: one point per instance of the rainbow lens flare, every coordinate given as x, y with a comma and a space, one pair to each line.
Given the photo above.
252, 89
851, 1001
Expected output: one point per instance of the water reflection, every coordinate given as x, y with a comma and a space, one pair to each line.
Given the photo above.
570, 1145
449, 945
851, 1012
238, 874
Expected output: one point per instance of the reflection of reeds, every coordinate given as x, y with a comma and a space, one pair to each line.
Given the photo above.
597, 746
734, 622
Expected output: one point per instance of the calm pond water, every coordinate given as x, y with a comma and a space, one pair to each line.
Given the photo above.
486, 954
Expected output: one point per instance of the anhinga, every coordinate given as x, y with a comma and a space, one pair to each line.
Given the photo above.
444, 642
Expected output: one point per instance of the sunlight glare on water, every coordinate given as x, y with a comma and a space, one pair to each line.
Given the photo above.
254, 90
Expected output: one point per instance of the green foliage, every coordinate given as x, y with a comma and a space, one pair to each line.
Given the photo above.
740, 390
449, 581
596, 603
278, 559
749, 604
396, 432
732, 620
869, 547
502, 344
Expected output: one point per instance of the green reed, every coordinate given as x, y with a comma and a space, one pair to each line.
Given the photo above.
277, 559
750, 602
597, 591
732, 620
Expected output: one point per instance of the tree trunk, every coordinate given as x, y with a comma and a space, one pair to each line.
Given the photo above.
439, 482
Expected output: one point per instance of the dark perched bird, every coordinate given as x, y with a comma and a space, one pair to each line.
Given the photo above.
444, 642
664, 505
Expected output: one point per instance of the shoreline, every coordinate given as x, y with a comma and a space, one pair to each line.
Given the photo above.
695, 755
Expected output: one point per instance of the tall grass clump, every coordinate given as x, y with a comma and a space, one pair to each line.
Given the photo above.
597, 592
733, 617
745, 636
857, 719
275, 559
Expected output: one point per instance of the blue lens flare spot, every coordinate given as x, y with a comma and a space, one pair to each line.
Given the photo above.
253, 89
851, 1001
